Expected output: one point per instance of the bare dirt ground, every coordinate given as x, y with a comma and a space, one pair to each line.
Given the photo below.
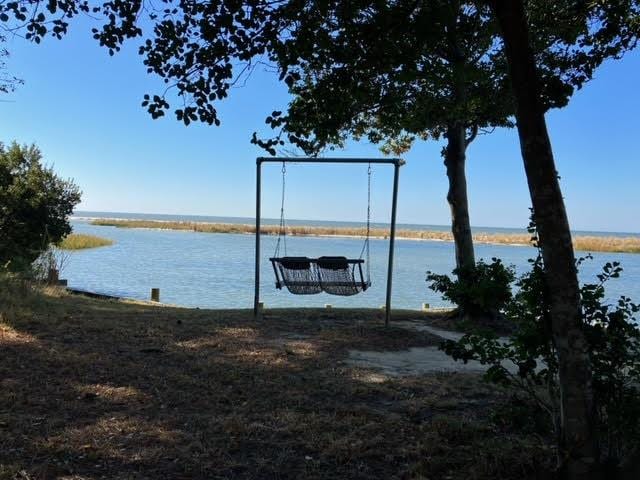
103, 389
418, 360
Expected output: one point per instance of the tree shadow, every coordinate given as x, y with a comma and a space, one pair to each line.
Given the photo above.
93, 388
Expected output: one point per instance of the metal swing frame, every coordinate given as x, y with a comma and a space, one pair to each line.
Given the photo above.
396, 162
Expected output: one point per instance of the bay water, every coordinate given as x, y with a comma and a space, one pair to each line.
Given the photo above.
210, 270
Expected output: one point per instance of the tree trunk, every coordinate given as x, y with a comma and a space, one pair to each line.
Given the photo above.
454, 160
578, 453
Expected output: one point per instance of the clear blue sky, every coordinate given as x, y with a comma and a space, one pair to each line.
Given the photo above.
82, 108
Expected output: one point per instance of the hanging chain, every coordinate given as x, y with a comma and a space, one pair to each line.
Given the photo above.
368, 222
365, 248
282, 231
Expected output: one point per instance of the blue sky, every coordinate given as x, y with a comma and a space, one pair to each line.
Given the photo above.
82, 108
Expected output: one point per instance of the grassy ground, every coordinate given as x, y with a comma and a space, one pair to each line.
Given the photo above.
77, 241
104, 389
582, 242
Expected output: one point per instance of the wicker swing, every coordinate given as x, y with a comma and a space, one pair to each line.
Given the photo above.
333, 275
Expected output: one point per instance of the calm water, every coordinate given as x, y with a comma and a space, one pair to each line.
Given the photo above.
216, 270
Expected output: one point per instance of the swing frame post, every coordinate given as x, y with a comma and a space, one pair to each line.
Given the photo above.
392, 240
396, 162
256, 298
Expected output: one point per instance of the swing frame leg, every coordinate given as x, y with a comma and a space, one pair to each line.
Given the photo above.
392, 241
256, 295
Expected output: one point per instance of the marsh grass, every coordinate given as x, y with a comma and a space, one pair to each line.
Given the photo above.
77, 241
96, 389
581, 242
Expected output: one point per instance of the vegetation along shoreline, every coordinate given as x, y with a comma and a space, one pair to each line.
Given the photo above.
589, 243
76, 241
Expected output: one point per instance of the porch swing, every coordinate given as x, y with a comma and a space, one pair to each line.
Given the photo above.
333, 275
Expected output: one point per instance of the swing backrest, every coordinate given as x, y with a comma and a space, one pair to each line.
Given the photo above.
341, 276
298, 274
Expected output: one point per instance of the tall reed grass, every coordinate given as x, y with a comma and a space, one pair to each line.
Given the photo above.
76, 241
583, 243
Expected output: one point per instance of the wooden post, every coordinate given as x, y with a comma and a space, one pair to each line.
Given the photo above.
155, 294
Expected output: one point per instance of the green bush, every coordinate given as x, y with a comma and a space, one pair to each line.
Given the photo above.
613, 337
35, 205
483, 289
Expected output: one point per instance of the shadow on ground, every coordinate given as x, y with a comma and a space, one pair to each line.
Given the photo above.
102, 389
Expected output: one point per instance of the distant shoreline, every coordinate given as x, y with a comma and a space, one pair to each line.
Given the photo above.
588, 243
87, 215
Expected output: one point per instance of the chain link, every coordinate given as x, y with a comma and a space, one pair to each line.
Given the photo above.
282, 231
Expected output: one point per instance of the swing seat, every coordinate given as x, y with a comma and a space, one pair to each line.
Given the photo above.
338, 275
298, 274
333, 275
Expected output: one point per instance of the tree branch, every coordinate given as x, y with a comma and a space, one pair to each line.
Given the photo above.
472, 136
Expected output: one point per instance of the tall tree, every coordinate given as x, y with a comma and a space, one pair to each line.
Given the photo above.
595, 32
392, 74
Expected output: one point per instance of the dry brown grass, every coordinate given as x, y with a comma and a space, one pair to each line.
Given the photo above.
607, 244
101, 389
584, 243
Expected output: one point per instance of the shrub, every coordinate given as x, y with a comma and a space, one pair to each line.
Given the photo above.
54, 258
613, 337
35, 205
479, 290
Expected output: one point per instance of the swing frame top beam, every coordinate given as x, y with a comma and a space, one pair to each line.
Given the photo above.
373, 161
396, 162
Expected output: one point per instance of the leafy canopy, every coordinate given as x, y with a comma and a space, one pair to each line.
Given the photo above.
380, 68
394, 71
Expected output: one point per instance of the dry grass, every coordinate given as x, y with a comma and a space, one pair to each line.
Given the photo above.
607, 244
77, 241
101, 389
584, 243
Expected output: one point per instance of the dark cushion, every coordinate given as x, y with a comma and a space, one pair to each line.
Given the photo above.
295, 263
333, 263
